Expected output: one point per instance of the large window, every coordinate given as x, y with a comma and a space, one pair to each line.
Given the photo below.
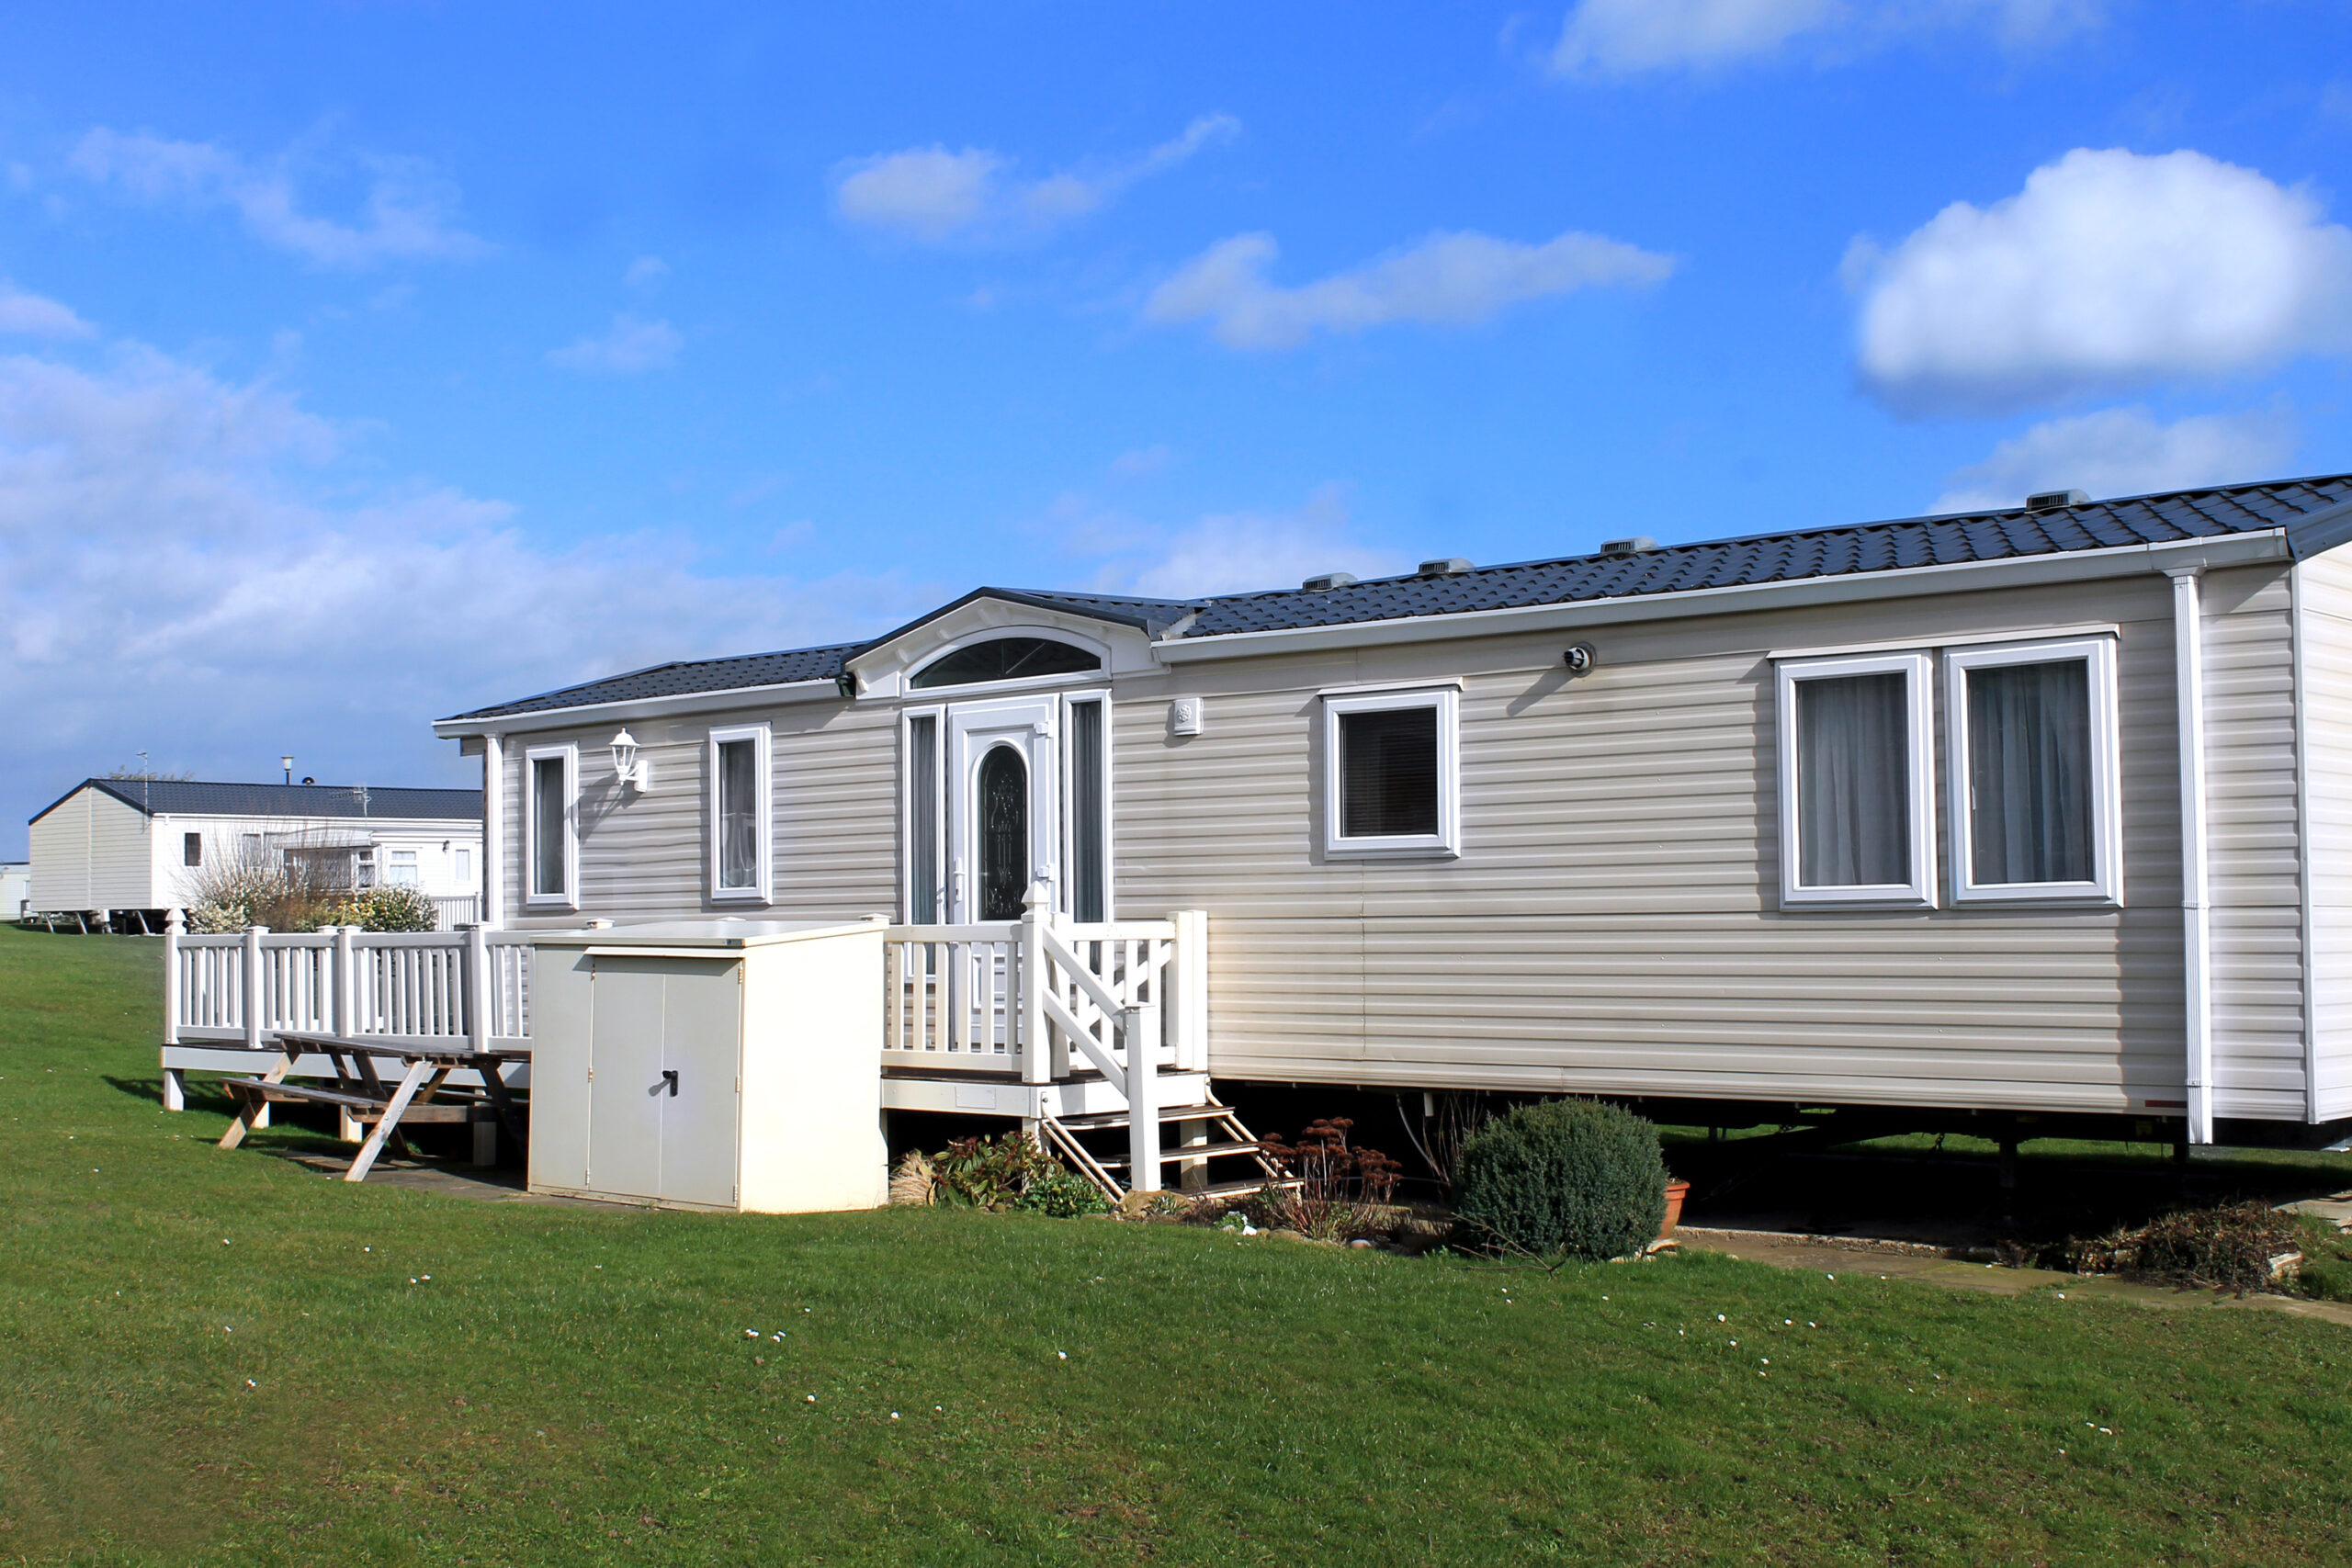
551, 826
2033, 762
739, 814
1857, 800
1390, 761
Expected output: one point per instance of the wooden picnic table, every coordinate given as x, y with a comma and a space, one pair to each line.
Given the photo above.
360, 1088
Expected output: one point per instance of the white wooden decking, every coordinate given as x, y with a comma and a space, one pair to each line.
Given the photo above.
1039, 1019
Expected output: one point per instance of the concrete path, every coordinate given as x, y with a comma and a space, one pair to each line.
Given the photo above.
1906, 1260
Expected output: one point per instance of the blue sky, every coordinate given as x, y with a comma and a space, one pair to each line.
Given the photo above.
362, 363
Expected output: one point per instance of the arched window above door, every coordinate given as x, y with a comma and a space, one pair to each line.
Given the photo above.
1006, 659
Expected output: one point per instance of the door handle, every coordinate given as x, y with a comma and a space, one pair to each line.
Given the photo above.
669, 1077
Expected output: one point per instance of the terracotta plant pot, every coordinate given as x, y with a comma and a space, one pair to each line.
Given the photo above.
1676, 1191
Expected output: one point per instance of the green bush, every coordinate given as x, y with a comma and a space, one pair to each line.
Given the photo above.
1062, 1193
388, 909
1568, 1177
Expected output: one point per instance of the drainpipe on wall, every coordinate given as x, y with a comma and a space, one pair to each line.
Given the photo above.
2196, 919
493, 831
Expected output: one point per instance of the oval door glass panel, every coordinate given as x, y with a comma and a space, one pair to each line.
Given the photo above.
1005, 834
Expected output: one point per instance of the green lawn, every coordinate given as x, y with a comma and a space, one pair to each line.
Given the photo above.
210, 1357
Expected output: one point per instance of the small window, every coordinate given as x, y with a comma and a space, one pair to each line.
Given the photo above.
400, 868
1090, 890
465, 868
551, 826
191, 849
1857, 802
1006, 659
923, 819
738, 813
1390, 761
2033, 776
249, 849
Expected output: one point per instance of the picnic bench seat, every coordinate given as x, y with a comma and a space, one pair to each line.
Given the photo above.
362, 1096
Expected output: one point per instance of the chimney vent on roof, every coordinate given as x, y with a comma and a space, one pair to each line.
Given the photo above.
2055, 500
1448, 566
1640, 544
1328, 580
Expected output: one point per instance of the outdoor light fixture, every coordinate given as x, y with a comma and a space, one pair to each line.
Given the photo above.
287, 764
626, 765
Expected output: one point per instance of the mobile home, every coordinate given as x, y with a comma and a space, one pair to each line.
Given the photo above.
124, 852
2039, 811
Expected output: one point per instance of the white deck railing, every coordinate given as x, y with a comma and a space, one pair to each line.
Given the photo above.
469, 989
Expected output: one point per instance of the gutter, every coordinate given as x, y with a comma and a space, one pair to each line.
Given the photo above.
2073, 566
2195, 915
466, 725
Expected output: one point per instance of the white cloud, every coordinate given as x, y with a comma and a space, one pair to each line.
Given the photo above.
645, 272
1140, 463
2109, 270
1618, 38
931, 194
204, 570
408, 212
31, 315
1232, 552
632, 345
2124, 451
1446, 279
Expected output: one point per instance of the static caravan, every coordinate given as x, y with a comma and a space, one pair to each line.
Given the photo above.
123, 853
2039, 812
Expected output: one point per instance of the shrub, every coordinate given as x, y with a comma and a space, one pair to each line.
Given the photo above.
1340, 1186
1569, 1178
386, 910
1064, 1194
988, 1173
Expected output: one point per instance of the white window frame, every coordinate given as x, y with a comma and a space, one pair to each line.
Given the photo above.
761, 890
1065, 887
937, 714
569, 898
2107, 805
415, 867
1446, 842
1919, 893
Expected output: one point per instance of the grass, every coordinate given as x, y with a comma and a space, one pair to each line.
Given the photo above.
221, 1358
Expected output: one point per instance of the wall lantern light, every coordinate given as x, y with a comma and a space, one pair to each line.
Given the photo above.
626, 764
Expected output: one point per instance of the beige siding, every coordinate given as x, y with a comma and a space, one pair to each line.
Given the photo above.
642, 855
2323, 592
91, 853
1613, 922
2251, 846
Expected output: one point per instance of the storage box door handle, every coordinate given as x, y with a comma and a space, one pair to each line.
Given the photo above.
669, 1077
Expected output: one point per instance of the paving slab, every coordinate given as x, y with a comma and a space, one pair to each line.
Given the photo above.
1930, 1266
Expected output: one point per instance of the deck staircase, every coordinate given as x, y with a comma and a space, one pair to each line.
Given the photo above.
1213, 1154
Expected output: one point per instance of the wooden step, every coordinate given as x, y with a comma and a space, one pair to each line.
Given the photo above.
1103, 1119
1203, 1151
1232, 1188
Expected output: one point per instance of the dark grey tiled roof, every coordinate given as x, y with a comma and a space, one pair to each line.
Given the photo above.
685, 677
1955, 540
1782, 557
187, 797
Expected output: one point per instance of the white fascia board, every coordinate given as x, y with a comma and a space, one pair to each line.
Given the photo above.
721, 700
2073, 566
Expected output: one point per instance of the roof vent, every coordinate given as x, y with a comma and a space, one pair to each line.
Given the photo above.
2055, 500
1448, 566
1640, 544
1328, 580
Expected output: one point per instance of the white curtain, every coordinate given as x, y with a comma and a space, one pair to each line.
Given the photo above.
2029, 772
1853, 782
739, 814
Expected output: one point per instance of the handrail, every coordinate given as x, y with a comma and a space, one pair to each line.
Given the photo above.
1087, 981
467, 989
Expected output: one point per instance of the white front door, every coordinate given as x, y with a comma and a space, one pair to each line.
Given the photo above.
1003, 806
